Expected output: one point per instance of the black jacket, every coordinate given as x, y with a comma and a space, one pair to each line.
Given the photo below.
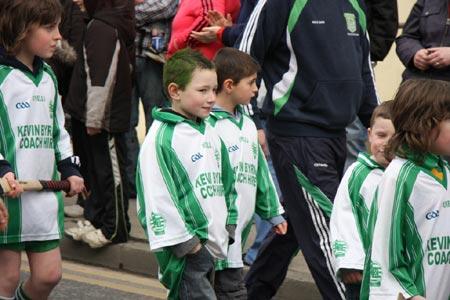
101, 84
425, 28
382, 25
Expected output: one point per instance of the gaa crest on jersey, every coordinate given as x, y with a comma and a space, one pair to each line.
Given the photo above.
375, 274
350, 19
157, 224
339, 248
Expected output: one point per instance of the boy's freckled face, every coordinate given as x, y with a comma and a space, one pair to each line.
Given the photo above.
441, 145
199, 96
245, 90
379, 135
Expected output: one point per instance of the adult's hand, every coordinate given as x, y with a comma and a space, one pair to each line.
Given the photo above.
421, 60
439, 57
207, 35
93, 131
215, 18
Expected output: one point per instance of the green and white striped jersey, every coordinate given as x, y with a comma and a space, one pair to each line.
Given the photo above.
185, 184
185, 187
32, 140
254, 185
349, 217
410, 250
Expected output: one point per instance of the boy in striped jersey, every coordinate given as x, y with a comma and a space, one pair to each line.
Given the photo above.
349, 217
33, 145
409, 222
185, 183
236, 73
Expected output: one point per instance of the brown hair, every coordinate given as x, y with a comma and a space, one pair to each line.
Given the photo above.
179, 68
18, 17
233, 64
382, 111
419, 106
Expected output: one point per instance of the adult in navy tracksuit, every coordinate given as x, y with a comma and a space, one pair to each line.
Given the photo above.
316, 68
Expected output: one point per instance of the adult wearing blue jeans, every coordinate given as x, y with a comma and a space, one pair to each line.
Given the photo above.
153, 22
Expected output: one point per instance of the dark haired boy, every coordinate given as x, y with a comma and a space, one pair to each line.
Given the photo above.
237, 72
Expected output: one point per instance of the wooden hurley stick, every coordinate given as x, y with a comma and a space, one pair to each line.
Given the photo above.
39, 185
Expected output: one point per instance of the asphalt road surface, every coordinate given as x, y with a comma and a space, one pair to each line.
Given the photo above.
85, 282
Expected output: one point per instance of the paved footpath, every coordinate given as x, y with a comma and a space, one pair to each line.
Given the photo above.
136, 257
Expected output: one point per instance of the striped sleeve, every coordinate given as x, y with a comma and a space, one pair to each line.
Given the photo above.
61, 138
267, 202
158, 208
228, 185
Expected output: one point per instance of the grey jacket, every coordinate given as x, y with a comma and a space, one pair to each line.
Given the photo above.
427, 26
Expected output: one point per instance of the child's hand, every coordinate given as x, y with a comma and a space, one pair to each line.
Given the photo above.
418, 297
281, 228
76, 185
196, 249
16, 189
351, 276
93, 131
3, 216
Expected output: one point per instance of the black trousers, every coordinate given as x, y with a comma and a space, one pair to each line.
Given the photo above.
321, 160
103, 165
270, 267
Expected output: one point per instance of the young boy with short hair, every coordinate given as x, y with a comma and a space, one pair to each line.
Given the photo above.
185, 184
350, 214
237, 73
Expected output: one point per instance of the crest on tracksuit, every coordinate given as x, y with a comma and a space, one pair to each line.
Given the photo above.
350, 19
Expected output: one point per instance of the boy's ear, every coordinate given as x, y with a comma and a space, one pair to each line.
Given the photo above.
173, 91
228, 85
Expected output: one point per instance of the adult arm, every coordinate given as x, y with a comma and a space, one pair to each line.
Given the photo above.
382, 24
155, 10
410, 41
370, 98
196, 19
102, 53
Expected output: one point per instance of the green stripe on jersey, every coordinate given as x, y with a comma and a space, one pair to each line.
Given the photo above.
140, 198
359, 208
12, 233
179, 184
401, 256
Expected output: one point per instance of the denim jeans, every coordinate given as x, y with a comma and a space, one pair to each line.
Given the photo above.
197, 277
356, 141
352, 291
149, 89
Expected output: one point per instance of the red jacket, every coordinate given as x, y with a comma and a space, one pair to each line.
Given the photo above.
191, 16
